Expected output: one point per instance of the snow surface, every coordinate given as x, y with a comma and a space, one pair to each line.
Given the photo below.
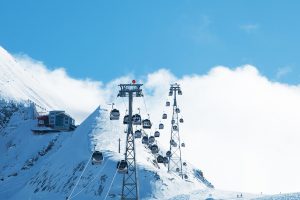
49, 166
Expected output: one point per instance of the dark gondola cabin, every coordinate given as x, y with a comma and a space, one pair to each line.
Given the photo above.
161, 126
122, 167
175, 128
138, 134
136, 119
166, 160
179, 92
126, 119
168, 103
156, 134
145, 140
154, 149
177, 110
181, 120
146, 124
114, 114
97, 157
151, 139
164, 116
168, 154
160, 159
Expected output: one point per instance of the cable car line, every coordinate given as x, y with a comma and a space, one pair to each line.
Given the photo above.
111, 184
80, 175
89, 182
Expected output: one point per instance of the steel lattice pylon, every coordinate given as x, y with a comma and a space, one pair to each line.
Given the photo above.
175, 161
130, 183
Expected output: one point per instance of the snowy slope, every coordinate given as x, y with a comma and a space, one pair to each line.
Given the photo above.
48, 166
18, 84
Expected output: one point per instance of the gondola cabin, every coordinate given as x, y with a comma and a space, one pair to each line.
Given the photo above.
138, 134
122, 167
175, 128
154, 149
168, 103
126, 119
173, 143
136, 119
177, 110
97, 157
182, 144
156, 134
181, 120
151, 139
114, 114
168, 154
160, 159
146, 124
173, 121
179, 92
170, 93
166, 160
164, 116
161, 126
145, 140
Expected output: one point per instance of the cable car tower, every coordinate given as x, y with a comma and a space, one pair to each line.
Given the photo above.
175, 161
130, 186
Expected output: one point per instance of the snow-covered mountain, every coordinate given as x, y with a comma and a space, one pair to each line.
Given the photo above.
49, 166
57, 165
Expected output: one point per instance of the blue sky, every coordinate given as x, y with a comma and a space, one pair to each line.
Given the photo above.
103, 40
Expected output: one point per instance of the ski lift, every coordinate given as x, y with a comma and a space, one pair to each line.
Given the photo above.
145, 140
138, 134
160, 159
177, 169
151, 139
181, 120
126, 119
168, 154
173, 143
168, 103
175, 128
114, 114
97, 157
164, 116
186, 176
122, 167
177, 110
170, 93
154, 149
166, 160
136, 119
156, 134
179, 92
146, 124
183, 144
161, 126
184, 164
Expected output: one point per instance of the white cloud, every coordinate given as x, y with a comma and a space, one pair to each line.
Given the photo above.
240, 128
249, 28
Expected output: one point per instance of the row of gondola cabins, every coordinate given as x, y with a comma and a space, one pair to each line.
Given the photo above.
122, 165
